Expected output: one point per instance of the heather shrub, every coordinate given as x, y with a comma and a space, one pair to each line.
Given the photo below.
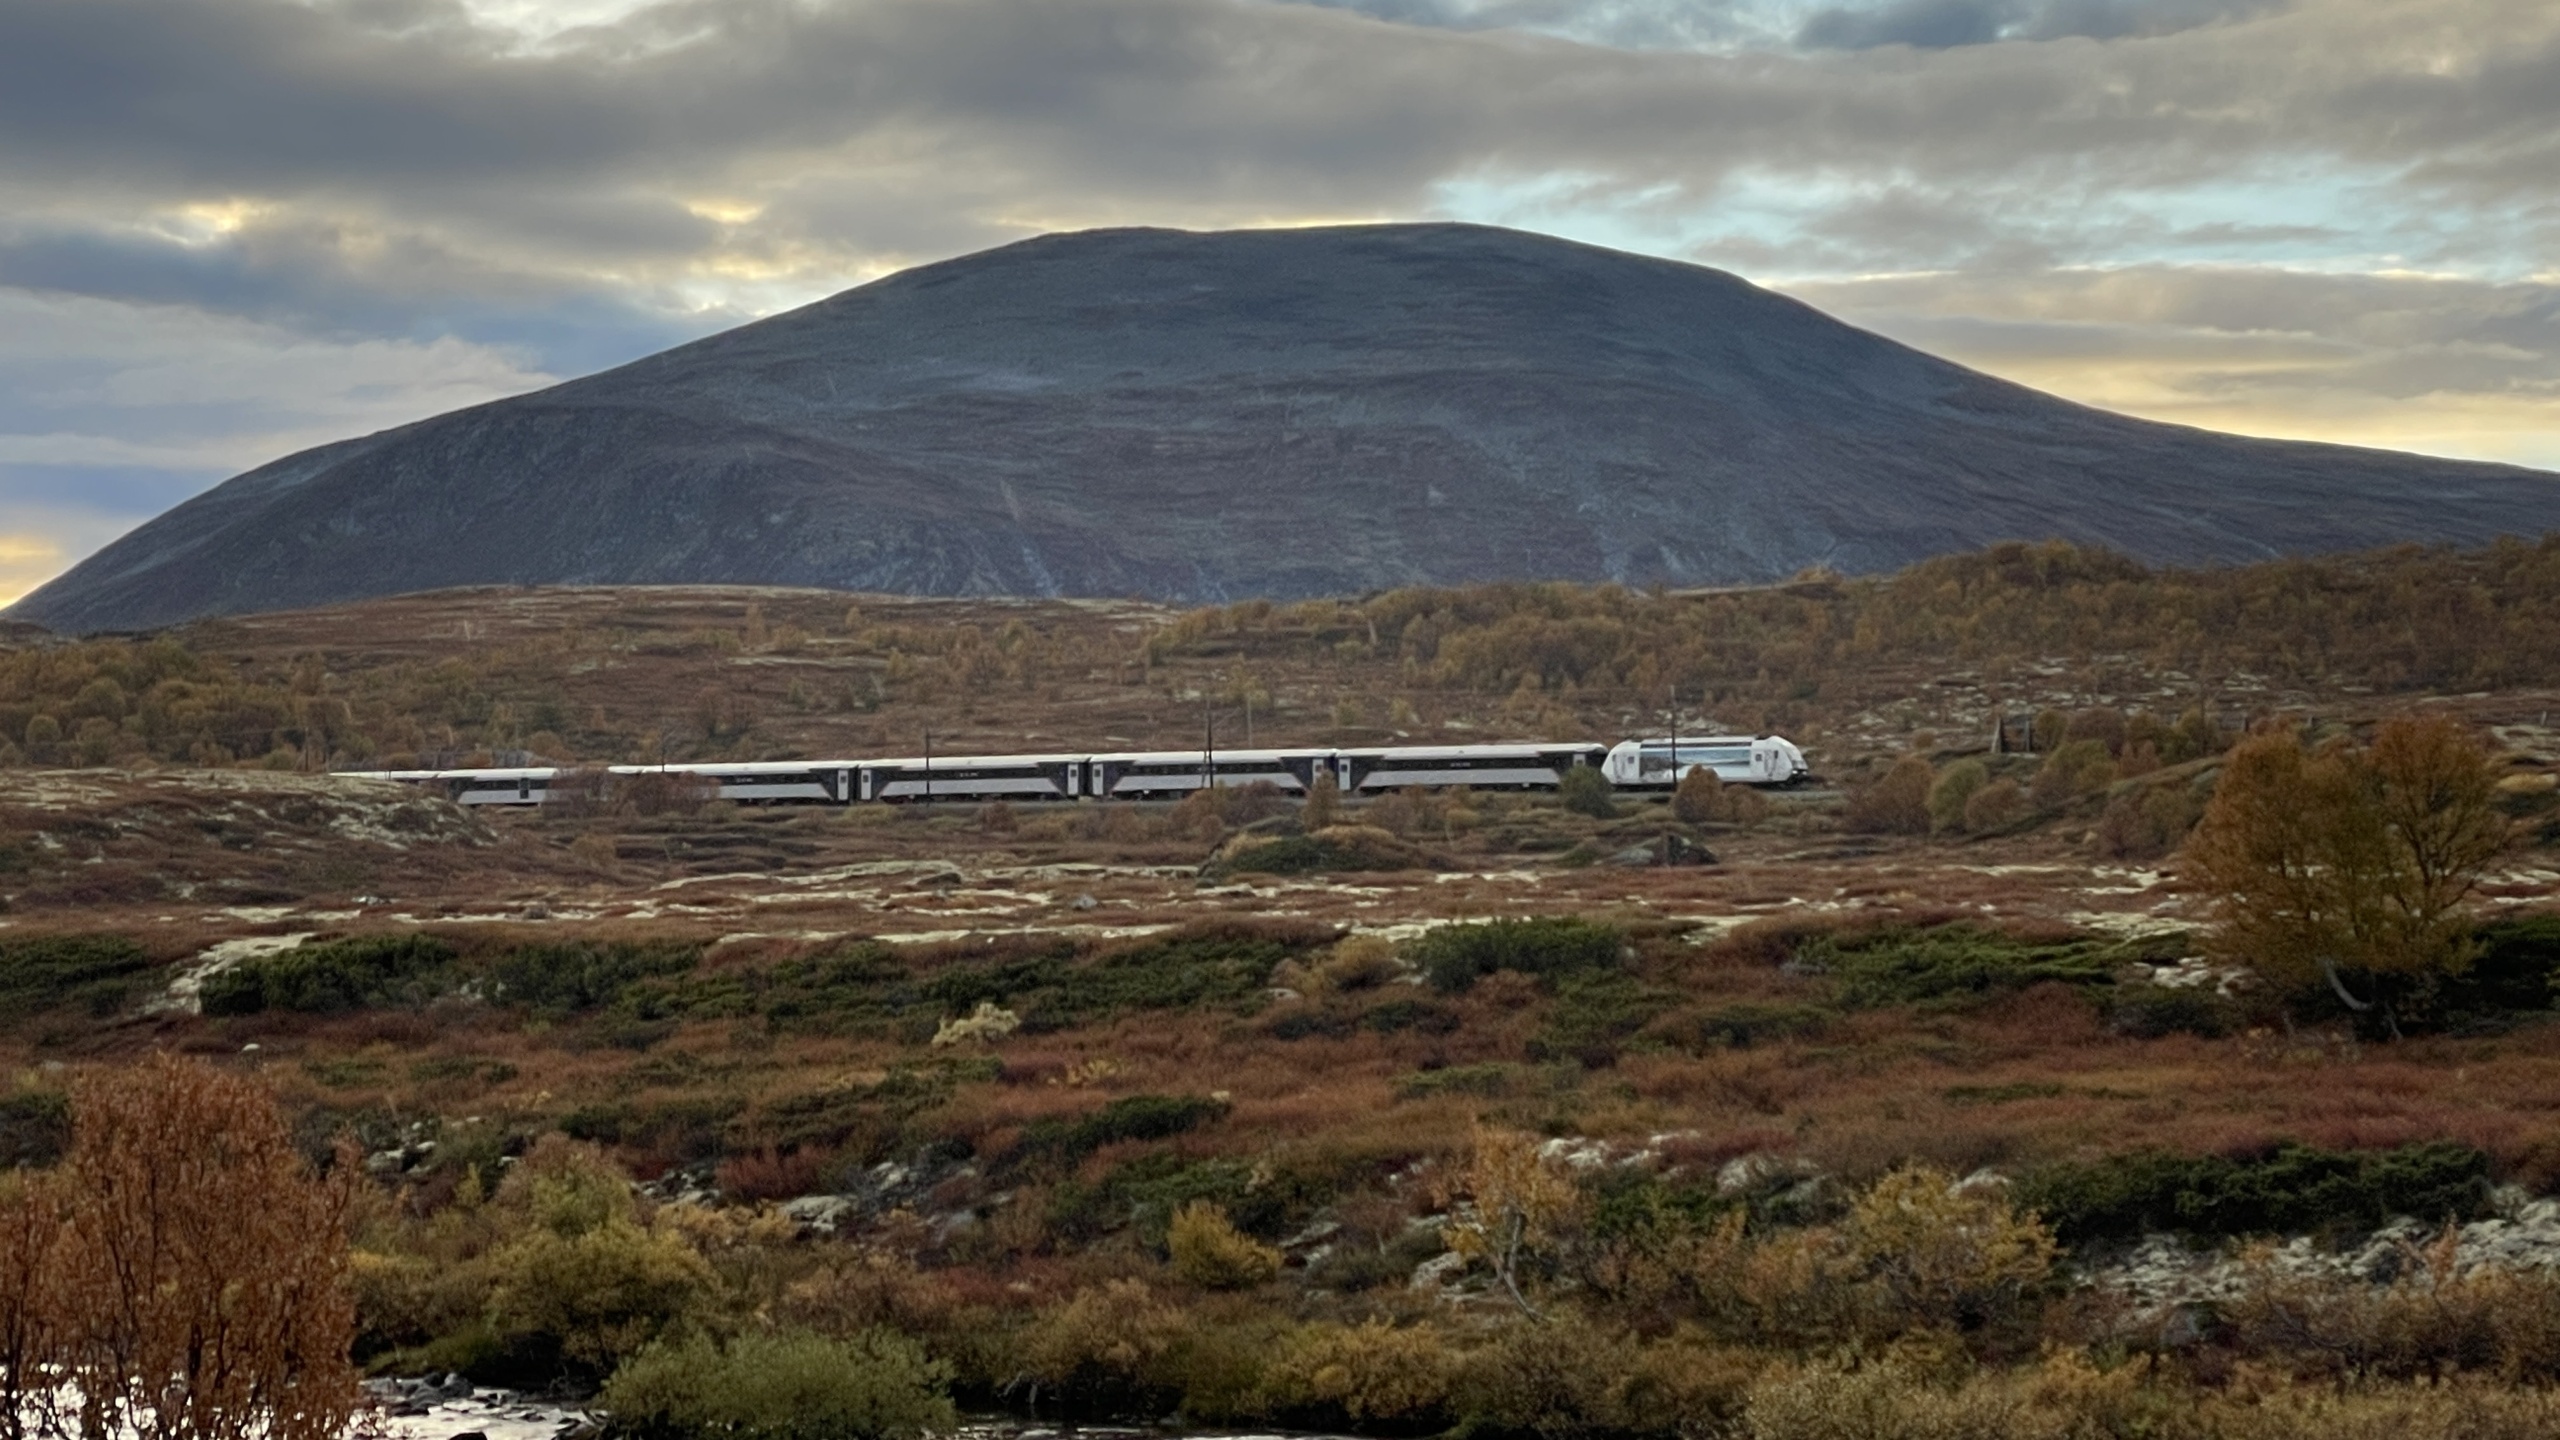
1210, 1252
1453, 957
876, 1385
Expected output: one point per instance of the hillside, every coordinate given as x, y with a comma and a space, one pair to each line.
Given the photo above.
1212, 417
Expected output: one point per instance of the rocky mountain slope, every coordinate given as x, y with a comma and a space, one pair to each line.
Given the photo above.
1200, 417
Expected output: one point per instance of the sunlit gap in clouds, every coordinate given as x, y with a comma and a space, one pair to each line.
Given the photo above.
2310, 301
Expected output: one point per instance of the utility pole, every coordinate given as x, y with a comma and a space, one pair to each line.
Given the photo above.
1208, 746
1675, 735
928, 767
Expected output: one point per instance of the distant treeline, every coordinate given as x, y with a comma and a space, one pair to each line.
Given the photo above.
2409, 618
1563, 657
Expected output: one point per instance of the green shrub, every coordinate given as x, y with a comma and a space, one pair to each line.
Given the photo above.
585, 1300
2515, 967
1895, 965
1200, 966
96, 973
333, 976
2292, 1188
35, 1128
1954, 790
1420, 1016
1595, 1014
569, 976
1308, 855
1454, 957
1491, 1080
1739, 1026
1145, 1193
1586, 791
2147, 1012
1133, 1117
878, 1385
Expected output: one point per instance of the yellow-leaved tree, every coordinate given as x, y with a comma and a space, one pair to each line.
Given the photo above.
2342, 866
1517, 1206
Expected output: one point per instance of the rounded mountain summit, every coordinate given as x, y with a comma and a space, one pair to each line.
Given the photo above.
1281, 413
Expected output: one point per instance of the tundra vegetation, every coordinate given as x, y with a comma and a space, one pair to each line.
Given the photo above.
1395, 1115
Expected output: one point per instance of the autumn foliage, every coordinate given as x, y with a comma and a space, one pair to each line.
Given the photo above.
182, 1273
2328, 861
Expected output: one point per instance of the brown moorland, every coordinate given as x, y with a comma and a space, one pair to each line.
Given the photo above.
1017, 1041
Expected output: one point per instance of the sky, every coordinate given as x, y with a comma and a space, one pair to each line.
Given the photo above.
230, 229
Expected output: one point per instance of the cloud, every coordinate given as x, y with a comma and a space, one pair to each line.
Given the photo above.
1940, 24
111, 412
2448, 366
232, 227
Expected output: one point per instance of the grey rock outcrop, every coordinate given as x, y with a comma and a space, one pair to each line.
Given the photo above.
1208, 417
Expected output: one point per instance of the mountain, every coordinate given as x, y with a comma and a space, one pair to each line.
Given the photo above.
1205, 417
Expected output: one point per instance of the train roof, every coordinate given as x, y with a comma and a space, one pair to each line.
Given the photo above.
1224, 755
1520, 750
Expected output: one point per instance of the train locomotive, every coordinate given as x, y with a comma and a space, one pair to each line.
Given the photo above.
1650, 764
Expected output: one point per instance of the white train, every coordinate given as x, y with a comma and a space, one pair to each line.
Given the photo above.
1161, 774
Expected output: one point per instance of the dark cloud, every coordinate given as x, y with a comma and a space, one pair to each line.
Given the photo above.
1941, 24
1927, 24
322, 279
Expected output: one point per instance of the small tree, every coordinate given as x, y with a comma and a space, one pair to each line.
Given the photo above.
32, 1215
1519, 1208
202, 1272
1956, 786
1943, 1256
2324, 863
